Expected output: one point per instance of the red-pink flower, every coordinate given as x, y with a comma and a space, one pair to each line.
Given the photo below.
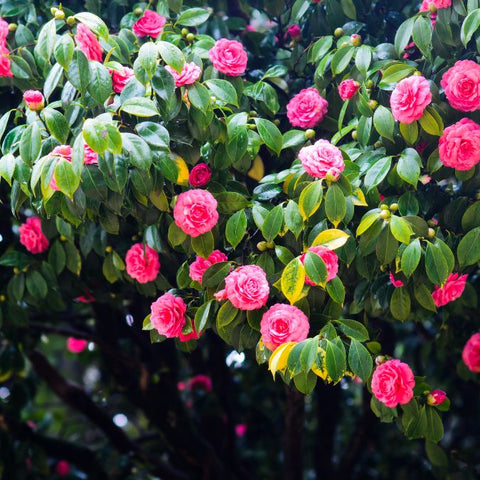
88, 43
348, 88
471, 353
450, 291
295, 31
459, 146
76, 345
150, 24
241, 429
200, 382
190, 74
63, 151
246, 287
195, 212
330, 259
283, 323
410, 98
193, 335
5, 70
3, 31
229, 57
200, 175
436, 397
395, 283
34, 100
120, 78
462, 85
32, 237
142, 263
200, 265
90, 157
87, 297
168, 315
307, 108
62, 469
425, 6
322, 158
392, 383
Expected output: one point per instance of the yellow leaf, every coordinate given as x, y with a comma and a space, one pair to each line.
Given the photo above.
332, 239
279, 358
293, 280
359, 198
258, 170
160, 200
286, 183
183, 172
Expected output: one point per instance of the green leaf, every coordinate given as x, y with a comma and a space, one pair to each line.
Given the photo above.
367, 221
305, 382
147, 59
199, 96
95, 135
272, 224
137, 151
65, 177
94, 23
336, 290
204, 244
422, 35
360, 360
30, 143
315, 268
140, 107
403, 35
400, 304
56, 257
230, 202
363, 59
36, 285
409, 132
470, 26
100, 84
436, 455
434, 431
353, 329
341, 59
171, 55
377, 172
384, 122
154, 134
293, 280
468, 251
226, 315
424, 297
52, 80
411, 257
408, 167
223, 91
431, 122
64, 50
270, 134
7, 167
193, 17
471, 217
335, 359
215, 274
335, 204
400, 229
56, 123
236, 228
293, 218
436, 264
202, 316
46, 41
310, 199
394, 73
386, 247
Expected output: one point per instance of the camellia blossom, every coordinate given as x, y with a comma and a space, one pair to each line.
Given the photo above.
471, 353
193, 335
90, 157
200, 265
200, 175
426, 4
246, 287
329, 257
200, 382
5, 70
76, 345
436, 397
62, 469
32, 237
34, 100
195, 212
295, 31
88, 43
229, 57
241, 429
150, 24
459, 146
3, 31
142, 263
461, 84
168, 315
450, 291
410, 98
283, 323
120, 78
63, 151
322, 158
307, 108
395, 283
348, 88
190, 74
392, 383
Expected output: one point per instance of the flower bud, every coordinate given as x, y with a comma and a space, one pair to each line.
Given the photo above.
16, 270
431, 233
59, 15
384, 207
53, 10
262, 246
344, 44
252, 113
369, 84
417, 73
138, 11
356, 40
432, 8
270, 245
276, 122
373, 104
63, 238
190, 37
436, 397
185, 32
378, 144
71, 21
394, 207
108, 249
2, 298
385, 214
354, 135
380, 359
338, 32
34, 100
310, 134
12, 27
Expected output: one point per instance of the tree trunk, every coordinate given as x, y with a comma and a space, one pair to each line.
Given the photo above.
293, 434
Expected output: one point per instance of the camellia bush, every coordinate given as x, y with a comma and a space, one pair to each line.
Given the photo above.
297, 181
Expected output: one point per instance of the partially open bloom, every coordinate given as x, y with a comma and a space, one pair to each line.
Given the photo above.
348, 88
120, 78
307, 108
195, 212
321, 158
90, 157
246, 287
76, 345
229, 57
395, 283
200, 175
436, 397
329, 257
471, 353
32, 237
410, 98
283, 323
150, 24
426, 4
3, 31
34, 100
200, 265
190, 74
462, 85
142, 263
5, 70
450, 291
88, 43
168, 315
62, 151
392, 383
295, 31
459, 146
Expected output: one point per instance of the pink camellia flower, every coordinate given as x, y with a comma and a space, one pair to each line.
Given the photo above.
462, 85
229, 57
329, 257
283, 323
34, 100
410, 98
392, 383
348, 88
307, 108
200, 382
62, 469
395, 283
471, 353
32, 237
426, 4
76, 345
5, 70
168, 315
200, 265
436, 397
88, 43
246, 287
142, 263
241, 429
195, 212
459, 146
3, 31
181, 386
450, 291
120, 78
193, 335
90, 157
295, 31
322, 158
87, 297
151, 24
190, 74
63, 151
200, 175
